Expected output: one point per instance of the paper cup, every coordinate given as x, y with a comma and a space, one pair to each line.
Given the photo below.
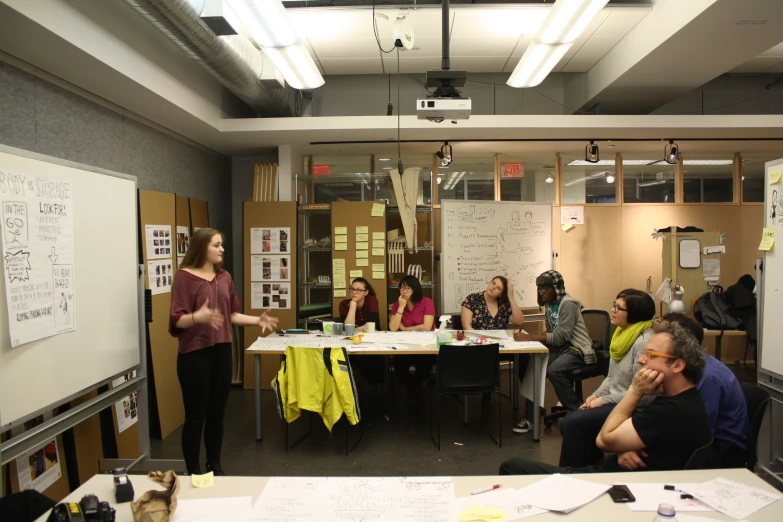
328, 327
349, 329
337, 328
369, 327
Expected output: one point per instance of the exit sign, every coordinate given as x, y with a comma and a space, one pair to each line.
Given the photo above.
513, 170
321, 170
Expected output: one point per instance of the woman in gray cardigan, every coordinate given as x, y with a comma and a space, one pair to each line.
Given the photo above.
632, 314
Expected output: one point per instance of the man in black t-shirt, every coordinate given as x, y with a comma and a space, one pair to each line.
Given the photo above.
667, 431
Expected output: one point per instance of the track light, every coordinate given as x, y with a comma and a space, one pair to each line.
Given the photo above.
549, 178
670, 153
445, 154
591, 153
610, 177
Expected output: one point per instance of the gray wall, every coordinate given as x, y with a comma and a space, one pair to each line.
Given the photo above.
39, 116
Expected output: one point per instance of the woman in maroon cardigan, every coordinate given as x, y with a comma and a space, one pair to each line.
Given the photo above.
203, 308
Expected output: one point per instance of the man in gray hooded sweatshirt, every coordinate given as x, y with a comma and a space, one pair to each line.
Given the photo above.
569, 343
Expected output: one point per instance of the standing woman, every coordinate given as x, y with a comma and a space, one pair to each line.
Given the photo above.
203, 308
493, 308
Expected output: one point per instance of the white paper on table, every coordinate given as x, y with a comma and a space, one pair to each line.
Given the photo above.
400, 338
333, 499
499, 499
696, 518
234, 509
732, 498
561, 493
496, 334
648, 496
527, 386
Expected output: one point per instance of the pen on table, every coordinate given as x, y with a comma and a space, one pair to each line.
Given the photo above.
484, 490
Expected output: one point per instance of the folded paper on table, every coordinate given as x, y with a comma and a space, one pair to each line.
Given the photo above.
548, 493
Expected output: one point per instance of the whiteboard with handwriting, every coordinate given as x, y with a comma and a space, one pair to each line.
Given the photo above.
484, 239
771, 332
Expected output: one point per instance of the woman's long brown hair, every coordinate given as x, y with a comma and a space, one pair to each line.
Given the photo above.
196, 256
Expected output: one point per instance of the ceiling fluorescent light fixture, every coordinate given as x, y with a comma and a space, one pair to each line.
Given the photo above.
585, 179
611, 162
537, 62
700, 163
297, 66
653, 183
567, 19
266, 21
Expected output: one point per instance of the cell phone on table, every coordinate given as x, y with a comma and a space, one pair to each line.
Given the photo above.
621, 494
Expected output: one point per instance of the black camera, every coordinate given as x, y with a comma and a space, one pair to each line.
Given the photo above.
88, 509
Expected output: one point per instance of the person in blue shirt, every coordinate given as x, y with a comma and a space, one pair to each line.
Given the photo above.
725, 404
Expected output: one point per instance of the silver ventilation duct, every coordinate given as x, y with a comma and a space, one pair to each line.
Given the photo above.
180, 23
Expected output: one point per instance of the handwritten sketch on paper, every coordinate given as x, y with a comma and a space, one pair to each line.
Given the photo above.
354, 498
732, 498
572, 215
485, 239
502, 499
37, 254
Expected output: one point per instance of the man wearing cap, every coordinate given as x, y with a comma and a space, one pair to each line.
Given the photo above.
569, 343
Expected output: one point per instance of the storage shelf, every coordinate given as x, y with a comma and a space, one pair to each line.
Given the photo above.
315, 249
420, 209
315, 211
315, 285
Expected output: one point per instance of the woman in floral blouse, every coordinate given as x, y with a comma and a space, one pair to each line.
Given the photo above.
492, 309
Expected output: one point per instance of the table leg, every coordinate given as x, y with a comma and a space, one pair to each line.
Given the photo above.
257, 363
718, 342
465, 404
536, 396
515, 386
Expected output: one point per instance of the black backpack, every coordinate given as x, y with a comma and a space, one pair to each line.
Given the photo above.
711, 310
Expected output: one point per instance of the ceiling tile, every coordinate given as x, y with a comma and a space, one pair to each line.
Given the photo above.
596, 22
757, 65
619, 22
345, 48
497, 22
478, 64
423, 47
411, 65
578, 64
596, 48
325, 24
352, 66
483, 46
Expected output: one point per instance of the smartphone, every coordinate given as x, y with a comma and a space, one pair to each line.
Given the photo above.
620, 493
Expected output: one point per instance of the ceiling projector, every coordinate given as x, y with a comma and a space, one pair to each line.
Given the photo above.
447, 102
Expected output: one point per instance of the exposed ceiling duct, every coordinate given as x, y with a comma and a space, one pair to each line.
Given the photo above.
180, 23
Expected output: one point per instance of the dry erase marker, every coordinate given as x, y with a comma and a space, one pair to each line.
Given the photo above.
484, 490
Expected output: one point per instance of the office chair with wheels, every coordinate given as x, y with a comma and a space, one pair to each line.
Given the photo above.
600, 329
467, 370
757, 400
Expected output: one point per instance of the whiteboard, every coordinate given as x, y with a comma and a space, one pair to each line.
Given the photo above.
105, 342
772, 292
484, 239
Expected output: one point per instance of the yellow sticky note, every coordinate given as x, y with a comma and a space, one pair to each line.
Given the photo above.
361, 254
356, 273
362, 237
362, 262
377, 209
378, 243
340, 239
565, 227
339, 293
362, 230
340, 230
362, 245
207, 480
767, 239
378, 252
379, 235
476, 513
378, 275
378, 267
341, 246
774, 176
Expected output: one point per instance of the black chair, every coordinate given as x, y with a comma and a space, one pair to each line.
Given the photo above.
700, 457
467, 370
757, 400
599, 327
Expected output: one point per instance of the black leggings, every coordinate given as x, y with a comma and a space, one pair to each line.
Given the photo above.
205, 379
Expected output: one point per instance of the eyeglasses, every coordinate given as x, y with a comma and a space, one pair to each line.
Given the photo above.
406, 289
357, 290
651, 354
617, 308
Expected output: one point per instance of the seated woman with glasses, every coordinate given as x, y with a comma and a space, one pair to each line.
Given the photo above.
632, 314
362, 307
412, 311
493, 308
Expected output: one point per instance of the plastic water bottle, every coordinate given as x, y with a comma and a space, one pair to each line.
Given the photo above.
665, 513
